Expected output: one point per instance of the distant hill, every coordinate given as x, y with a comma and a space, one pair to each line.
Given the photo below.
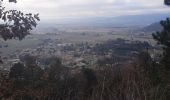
128, 20
152, 28
132, 21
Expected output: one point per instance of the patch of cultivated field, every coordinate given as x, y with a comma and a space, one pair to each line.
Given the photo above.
74, 35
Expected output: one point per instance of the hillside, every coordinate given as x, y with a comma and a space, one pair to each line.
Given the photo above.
152, 28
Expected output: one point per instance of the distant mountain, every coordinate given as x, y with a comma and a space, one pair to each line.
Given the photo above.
133, 21
152, 28
129, 20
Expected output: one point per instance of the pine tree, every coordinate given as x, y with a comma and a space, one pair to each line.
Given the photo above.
163, 39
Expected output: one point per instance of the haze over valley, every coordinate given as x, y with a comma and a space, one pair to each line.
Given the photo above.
84, 50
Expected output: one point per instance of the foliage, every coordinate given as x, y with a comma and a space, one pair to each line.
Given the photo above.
16, 24
17, 71
120, 47
163, 39
131, 81
167, 2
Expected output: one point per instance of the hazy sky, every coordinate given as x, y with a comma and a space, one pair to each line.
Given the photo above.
51, 9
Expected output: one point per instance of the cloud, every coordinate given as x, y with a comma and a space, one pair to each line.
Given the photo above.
51, 9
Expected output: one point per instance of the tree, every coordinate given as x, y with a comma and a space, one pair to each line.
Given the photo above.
167, 2
32, 71
12, 1
17, 71
16, 24
91, 81
56, 72
163, 39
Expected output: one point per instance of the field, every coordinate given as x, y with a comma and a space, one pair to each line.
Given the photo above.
75, 35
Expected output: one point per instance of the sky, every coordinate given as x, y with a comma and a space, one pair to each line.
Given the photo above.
53, 9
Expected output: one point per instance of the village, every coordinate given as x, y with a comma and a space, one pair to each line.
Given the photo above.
78, 55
